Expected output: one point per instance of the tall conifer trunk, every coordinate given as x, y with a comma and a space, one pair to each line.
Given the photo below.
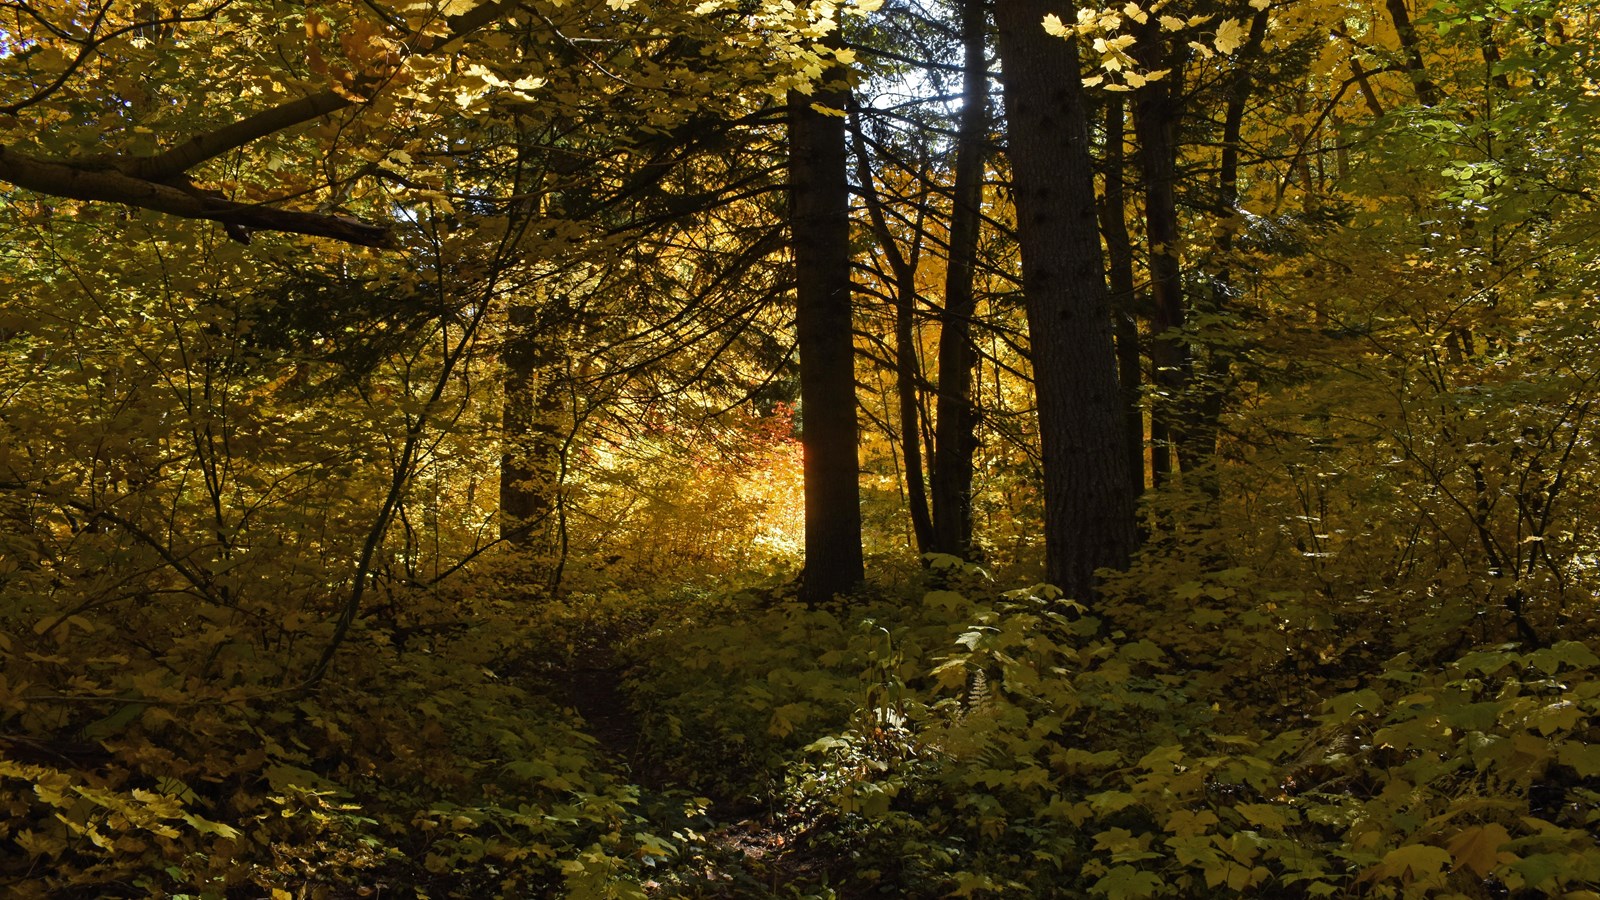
820, 227
908, 375
1155, 120
532, 427
1089, 506
1124, 311
956, 415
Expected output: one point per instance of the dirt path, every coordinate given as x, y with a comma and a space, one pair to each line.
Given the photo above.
752, 857
595, 692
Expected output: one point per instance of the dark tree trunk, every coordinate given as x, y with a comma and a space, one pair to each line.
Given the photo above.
955, 413
820, 230
1124, 304
908, 376
1427, 91
1089, 507
533, 431
1213, 388
1156, 111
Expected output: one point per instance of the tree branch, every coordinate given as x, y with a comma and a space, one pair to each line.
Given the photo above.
202, 147
155, 182
102, 185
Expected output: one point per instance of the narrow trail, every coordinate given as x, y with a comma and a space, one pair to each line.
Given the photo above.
757, 858
595, 692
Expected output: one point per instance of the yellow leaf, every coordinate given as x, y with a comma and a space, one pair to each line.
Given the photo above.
1267, 815
1412, 862
1230, 34
1478, 849
1184, 823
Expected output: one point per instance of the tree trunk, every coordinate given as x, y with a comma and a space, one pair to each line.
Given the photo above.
1089, 507
1213, 386
820, 231
1124, 303
908, 375
955, 415
1156, 111
1411, 50
533, 431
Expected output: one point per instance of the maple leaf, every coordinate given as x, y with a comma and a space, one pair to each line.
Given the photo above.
1478, 849
1230, 34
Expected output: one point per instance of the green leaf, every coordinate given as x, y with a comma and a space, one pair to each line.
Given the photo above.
1472, 716
1111, 801
1128, 882
1486, 662
1140, 651
1412, 862
115, 722
1541, 868
1572, 654
1269, 816
1582, 757
1346, 705
1077, 760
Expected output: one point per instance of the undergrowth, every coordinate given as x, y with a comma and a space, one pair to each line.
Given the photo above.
956, 740
983, 742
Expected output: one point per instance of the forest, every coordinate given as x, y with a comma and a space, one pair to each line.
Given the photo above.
799, 449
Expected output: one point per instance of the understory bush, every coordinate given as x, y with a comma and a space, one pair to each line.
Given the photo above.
430, 762
974, 741
988, 743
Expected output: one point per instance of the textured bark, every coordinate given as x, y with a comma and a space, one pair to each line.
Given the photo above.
820, 232
955, 413
1089, 507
